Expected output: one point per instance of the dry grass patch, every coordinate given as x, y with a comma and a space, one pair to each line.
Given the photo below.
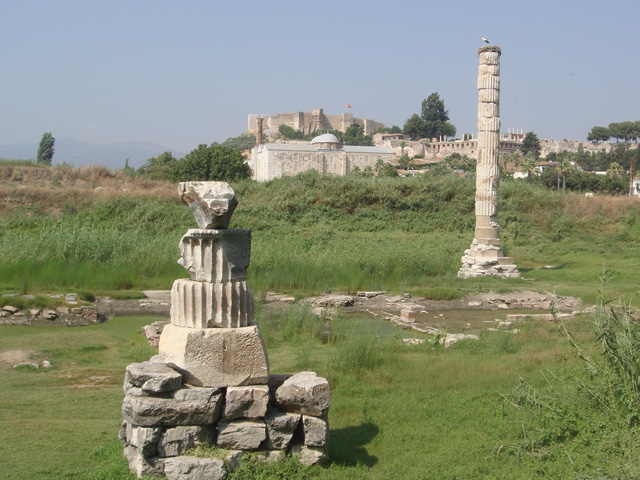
54, 189
13, 357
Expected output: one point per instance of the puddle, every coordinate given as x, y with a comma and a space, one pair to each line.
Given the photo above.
454, 321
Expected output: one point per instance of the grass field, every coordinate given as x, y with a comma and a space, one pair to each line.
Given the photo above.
507, 406
397, 411
310, 234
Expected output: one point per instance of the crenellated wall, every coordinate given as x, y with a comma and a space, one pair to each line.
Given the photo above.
313, 121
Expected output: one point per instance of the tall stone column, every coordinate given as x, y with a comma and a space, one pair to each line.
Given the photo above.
485, 256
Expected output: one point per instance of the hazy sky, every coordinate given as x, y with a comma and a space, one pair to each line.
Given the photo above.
181, 73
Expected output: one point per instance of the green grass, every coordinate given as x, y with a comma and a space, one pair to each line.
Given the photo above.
17, 162
66, 415
312, 233
397, 411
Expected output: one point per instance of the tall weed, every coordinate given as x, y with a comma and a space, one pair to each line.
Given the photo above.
606, 399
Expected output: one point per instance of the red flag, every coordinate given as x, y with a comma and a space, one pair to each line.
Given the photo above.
348, 105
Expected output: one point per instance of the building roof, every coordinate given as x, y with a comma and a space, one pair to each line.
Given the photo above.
293, 147
325, 138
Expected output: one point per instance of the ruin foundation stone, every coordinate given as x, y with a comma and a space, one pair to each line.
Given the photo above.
485, 256
210, 385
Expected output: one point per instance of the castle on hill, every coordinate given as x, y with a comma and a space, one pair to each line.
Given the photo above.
313, 121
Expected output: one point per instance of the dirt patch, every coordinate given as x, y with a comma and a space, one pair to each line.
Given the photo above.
13, 357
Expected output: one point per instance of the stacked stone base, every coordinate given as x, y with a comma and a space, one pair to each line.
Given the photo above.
486, 260
166, 419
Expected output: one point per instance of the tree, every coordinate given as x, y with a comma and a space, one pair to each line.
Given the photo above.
289, 133
246, 141
599, 134
158, 168
616, 131
448, 130
461, 162
436, 118
564, 167
529, 165
531, 143
628, 130
414, 127
354, 135
615, 170
404, 162
388, 170
210, 163
45, 150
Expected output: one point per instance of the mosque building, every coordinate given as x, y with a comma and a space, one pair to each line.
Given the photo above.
325, 154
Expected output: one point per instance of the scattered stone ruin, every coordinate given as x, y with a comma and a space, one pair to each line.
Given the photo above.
485, 257
210, 383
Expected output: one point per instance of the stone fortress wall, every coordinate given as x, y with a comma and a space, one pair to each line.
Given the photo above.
435, 149
312, 121
509, 143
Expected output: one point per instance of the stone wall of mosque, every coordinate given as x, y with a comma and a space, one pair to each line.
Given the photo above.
268, 164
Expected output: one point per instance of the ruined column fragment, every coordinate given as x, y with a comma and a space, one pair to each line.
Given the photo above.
213, 340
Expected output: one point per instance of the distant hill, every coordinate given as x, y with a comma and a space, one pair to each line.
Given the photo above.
78, 153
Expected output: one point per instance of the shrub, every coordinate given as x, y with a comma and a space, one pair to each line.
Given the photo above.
210, 163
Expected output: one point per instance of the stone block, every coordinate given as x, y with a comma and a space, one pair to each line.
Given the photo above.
194, 468
141, 466
220, 357
212, 203
268, 456
153, 377
275, 381
241, 434
304, 393
408, 312
188, 406
316, 431
308, 456
216, 255
488, 81
122, 434
232, 460
145, 439
280, 428
203, 304
177, 440
246, 402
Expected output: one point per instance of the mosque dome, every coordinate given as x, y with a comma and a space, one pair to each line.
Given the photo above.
325, 138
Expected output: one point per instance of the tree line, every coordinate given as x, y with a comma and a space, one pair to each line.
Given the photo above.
625, 131
574, 170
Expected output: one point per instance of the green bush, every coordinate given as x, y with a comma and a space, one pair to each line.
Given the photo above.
210, 163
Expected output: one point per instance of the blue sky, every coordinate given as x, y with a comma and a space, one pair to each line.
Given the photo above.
181, 73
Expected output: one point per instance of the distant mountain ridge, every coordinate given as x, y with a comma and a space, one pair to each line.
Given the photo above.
79, 153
